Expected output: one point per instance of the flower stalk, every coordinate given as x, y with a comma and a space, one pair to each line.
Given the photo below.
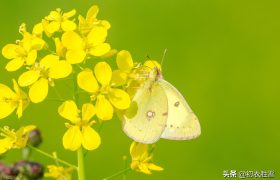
54, 158
81, 168
124, 171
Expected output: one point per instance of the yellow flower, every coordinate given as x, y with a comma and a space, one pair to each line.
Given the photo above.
24, 52
9, 100
57, 20
14, 139
106, 95
38, 29
59, 48
141, 159
125, 68
86, 24
59, 172
39, 76
79, 130
92, 44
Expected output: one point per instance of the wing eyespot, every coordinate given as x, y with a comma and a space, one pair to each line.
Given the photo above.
176, 104
150, 114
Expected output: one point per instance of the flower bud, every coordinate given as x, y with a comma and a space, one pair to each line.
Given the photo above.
35, 137
7, 172
32, 170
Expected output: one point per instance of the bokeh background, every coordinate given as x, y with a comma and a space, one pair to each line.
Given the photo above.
222, 55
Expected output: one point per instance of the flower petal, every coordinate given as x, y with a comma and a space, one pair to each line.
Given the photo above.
124, 60
88, 111
119, 78
38, 29
69, 13
68, 25
143, 167
37, 43
60, 49
119, 98
71, 40
9, 51
6, 92
91, 139
105, 24
97, 35
39, 90
100, 50
69, 111
75, 56
61, 70
137, 150
28, 78
92, 12
49, 60
104, 109
6, 110
103, 73
52, 27
6, 144
31, 58
73, 138
15, 64
87, 81
154, 167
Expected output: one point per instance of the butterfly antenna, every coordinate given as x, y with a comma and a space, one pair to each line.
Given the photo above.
163, 56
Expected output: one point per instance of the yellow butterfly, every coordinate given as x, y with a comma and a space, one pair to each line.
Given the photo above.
158, 110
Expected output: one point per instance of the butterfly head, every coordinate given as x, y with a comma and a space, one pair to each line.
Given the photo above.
154, 69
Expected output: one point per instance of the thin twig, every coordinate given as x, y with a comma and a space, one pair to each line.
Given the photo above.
117, 174
50, 156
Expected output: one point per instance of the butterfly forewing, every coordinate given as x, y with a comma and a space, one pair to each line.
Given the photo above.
182, 123
145, 120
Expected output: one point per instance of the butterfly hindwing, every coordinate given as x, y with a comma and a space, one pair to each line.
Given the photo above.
182, 123
145, 120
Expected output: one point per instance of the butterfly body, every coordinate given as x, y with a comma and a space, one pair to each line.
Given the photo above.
158, 110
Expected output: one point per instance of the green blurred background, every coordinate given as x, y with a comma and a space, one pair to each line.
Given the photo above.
222, 55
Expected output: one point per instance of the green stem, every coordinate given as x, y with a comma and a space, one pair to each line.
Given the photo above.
50, 156
80, 154
81, 168
125, 166
117, 174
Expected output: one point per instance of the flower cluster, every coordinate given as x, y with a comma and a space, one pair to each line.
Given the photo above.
59, 46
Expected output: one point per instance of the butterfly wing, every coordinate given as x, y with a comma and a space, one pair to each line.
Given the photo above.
145, 120
182, 123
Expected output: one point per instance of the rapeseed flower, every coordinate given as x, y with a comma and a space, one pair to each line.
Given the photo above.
14, 139
78, 47
79, 130
99, 85
58, 172
125, 70
42, 74
24, 52
11, 100
90, 21
142, 159
57, 20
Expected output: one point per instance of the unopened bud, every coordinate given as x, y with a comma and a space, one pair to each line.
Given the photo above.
35, 137
8, 172
32, 170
